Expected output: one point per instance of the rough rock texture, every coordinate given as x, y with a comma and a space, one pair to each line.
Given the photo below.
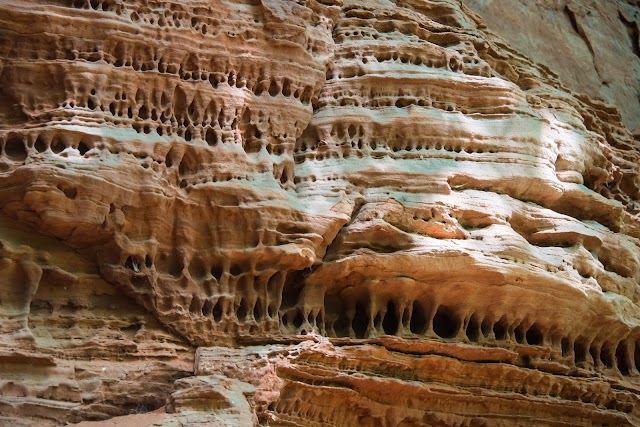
594, 46
308, 213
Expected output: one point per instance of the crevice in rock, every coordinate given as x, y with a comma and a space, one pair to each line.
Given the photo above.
634, 33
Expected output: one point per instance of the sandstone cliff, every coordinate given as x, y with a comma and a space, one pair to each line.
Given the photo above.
309, 213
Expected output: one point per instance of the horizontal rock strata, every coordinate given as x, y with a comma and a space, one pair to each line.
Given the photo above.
308, 213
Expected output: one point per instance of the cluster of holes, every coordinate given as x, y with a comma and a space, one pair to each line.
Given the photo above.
377, 98
221, 177
170, 16
100, 5
622, 355
359, 25
210, 122
358, 319
195, 20
249, 298
189, 70
350, 139
284, 176
420, 318
17, 147
191, 174
452, 63
245, 297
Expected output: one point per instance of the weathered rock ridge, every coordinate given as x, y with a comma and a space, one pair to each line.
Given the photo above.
307, 213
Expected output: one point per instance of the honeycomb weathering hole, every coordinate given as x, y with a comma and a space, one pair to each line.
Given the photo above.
445, 325
15, 149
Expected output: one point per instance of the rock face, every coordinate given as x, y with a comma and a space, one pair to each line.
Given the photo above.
309, 213
593, 46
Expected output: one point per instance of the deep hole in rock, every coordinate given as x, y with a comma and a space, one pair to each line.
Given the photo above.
286, 87
606, 356
360, 320
175, 266
40, 145
193, 307
210, 137
57, 146
519, 333
565, 346
197, 268
445, 324
418, 322
216, 271
83, 148
473, 329
579, 351
70, 193
132, 263
500, 329
291, 290
534, 335
341, 326
15, 149
486, 327
273, 88
298, 320
217, 311
390, 321
621, 358
143, 112
377, 320
257, 310
206, 308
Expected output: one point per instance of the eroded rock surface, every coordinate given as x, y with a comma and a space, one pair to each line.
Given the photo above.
593, 46
308, 213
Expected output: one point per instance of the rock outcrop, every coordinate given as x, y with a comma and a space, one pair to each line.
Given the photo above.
309, 213
593, 46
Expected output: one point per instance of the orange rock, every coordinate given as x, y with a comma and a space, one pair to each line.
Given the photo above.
309, 213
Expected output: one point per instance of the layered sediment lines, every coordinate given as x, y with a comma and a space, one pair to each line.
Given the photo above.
451, 233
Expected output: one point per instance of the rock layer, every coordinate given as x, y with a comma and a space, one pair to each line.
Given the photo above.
407, 221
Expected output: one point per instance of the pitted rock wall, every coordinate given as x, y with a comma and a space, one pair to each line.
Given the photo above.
592, 46
358, 212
